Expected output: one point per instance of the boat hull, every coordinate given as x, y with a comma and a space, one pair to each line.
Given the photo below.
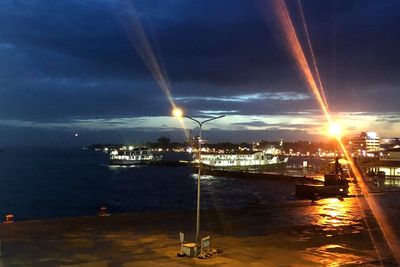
309, 191
273, 167
129, 162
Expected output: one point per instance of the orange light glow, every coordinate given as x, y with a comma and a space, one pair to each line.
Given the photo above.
338, 213
150, 55
298, 55
376, 209
177, 112
335, 130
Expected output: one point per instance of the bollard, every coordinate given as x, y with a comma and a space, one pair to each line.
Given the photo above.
103, 212
9, 219
181, 239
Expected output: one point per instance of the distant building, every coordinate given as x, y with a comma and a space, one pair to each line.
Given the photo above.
390, 143
393, 154
366, 142
390, 165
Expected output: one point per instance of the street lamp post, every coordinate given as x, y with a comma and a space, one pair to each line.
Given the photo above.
179, 113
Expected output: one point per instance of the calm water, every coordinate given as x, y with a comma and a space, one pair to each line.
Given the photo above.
48, 183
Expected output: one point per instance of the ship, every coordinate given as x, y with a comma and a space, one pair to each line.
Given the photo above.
136, 156
256, 161
335, 185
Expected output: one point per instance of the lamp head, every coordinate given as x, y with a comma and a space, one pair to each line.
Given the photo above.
335, 129
177, 112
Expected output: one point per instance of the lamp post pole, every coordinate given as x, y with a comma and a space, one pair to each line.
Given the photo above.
200, 123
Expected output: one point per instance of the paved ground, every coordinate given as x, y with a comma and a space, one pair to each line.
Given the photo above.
151, 239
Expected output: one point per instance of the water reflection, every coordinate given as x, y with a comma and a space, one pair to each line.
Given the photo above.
338, 235
203, 177
333, 214
392, 182
333, 255
121, 167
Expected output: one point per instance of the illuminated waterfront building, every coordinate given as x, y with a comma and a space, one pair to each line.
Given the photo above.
366, 142
389, 143
394, 154
390, 165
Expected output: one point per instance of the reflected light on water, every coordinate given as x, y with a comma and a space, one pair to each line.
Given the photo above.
203, 177
334, 213
340, 231
333, 255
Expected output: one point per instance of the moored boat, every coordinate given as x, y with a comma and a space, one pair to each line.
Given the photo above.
335, 185
137, 156
256, 161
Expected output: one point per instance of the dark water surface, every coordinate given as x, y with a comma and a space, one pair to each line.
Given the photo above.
52, 183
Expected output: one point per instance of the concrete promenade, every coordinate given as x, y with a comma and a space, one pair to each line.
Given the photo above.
151, 239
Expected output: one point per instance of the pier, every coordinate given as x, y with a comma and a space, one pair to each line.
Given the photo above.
152, 239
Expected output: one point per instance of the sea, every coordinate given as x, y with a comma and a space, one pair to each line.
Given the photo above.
42, 183
49, 183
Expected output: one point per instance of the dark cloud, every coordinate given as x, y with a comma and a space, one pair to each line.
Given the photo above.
251, 123
279, 127
66, 60
46, 100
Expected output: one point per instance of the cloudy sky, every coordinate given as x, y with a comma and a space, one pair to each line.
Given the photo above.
100, 68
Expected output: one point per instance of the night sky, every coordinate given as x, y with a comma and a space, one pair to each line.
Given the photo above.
77, 66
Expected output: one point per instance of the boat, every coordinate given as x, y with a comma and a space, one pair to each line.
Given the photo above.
256, 161
136, 156
335, 185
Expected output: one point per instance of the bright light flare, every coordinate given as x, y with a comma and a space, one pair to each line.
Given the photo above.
335, 130
150, 55
379, 214
297, 52
177, 112
372, 135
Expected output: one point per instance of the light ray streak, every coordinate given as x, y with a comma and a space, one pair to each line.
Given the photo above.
301, 61
298, 54
140, 40
137, 35
381, 219
374, 242
321, 87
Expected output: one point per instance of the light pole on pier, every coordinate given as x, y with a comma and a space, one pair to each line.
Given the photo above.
178, 113
335, 130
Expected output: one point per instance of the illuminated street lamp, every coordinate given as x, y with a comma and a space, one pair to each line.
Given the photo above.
179, 113
335, 130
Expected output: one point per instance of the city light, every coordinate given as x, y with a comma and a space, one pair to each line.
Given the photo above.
372, 135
